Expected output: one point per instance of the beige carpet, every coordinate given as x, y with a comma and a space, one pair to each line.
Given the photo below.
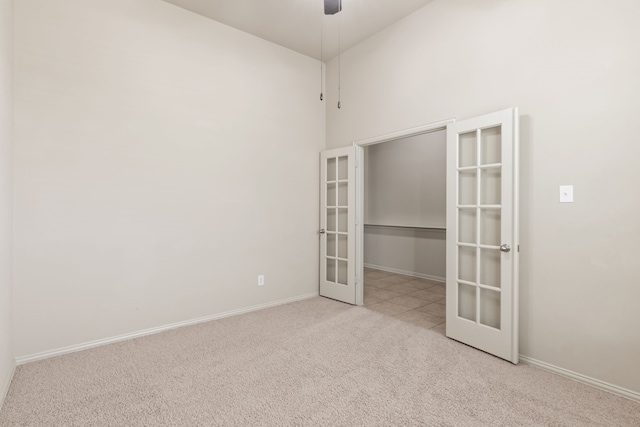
315, 362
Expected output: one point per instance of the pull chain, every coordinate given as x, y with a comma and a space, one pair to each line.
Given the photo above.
321, 82
339, 58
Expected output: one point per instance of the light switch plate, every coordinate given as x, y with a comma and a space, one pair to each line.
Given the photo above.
566, 194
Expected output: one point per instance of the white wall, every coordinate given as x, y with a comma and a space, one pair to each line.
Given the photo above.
162, 162
572, 67
6, 195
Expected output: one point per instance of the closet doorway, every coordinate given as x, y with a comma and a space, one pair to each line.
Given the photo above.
404, 233
482, 243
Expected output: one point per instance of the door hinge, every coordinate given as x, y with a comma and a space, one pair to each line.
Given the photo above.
518, 248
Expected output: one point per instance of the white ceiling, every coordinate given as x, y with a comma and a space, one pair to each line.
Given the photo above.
296, 24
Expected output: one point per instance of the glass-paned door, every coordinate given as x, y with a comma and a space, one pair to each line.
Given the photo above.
337, 224
482, 233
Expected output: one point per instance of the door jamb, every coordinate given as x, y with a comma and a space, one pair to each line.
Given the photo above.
360, 144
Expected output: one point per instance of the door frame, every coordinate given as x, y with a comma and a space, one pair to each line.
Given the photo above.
359, 211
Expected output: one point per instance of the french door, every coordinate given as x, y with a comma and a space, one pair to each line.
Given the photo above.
482, 233
482, 230
338, 224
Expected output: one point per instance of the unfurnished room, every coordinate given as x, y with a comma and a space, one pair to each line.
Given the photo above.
319, 213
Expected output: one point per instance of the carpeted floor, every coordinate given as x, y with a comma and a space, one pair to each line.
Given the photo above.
315, 362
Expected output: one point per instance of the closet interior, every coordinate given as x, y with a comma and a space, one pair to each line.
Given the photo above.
405, 228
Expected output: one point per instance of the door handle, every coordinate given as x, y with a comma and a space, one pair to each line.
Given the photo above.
505, 248
322, 231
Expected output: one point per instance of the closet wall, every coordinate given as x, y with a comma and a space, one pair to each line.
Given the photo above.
405, 215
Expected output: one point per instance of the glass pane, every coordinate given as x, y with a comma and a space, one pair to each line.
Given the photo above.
467, 149
467, 302
343, 168
342, 272
490, 227
331, 194
468, 188
490, 267
491, 187
491, 145
343, 194
331, 270
331, 220
331, 244
467, 225
490, 308
467, 264
342, 246
331, 169
343, 220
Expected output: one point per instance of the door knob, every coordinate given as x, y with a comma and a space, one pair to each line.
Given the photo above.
322, 231
505, 248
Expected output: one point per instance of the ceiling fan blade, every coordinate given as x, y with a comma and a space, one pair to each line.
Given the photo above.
331, 7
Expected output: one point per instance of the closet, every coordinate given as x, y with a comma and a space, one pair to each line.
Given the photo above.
385, 202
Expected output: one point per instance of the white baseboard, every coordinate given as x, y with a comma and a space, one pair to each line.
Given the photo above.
91, 344
5, 387
407, 273
620, 391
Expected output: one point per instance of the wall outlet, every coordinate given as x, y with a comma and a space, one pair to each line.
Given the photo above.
261, 280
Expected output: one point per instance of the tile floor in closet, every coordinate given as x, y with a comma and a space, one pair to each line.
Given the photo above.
412, 299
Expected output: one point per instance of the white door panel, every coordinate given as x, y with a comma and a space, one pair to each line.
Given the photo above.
482, 233
337, 224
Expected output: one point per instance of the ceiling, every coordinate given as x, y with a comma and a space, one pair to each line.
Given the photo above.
296, 24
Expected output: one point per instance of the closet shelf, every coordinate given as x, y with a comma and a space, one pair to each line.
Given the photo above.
411, 227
